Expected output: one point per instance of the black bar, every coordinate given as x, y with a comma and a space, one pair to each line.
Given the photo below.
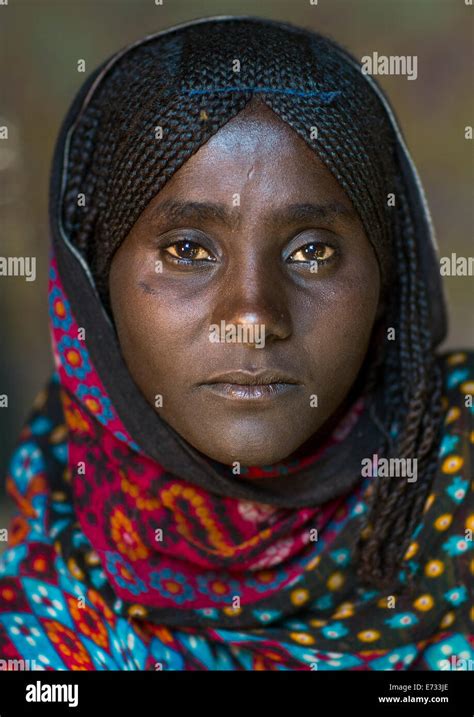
309, 693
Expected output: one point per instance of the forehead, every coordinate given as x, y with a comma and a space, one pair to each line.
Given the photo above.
256, 151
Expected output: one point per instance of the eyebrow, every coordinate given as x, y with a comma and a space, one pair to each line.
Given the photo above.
176, 210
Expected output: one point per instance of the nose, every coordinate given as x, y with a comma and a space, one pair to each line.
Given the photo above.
253, 300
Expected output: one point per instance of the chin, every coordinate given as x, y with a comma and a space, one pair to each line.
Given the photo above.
248, 456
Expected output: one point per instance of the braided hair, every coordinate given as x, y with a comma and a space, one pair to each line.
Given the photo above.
411, 386
165, 98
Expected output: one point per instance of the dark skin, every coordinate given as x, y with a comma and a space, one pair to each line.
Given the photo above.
251, 265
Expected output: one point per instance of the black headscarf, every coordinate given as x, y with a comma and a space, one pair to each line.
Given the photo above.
144, 112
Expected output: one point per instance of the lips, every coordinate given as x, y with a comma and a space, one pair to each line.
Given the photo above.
246, 385
248, 378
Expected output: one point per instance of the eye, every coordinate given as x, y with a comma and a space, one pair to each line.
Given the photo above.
187, 252
314, 251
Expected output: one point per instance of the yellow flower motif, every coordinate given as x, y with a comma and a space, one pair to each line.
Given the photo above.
447, 620
303, 638
411, 551
467, 387
471, 613
137, 611
266, 576
472, 566
335, 581
384, 602
127, 486
88, 621
93, 405
443, 522
73, 416
456, 359
232, 611
125, 536
424, 602
470, 522
452, 415
472, 436
314, 563
217, 587
429, 502
172, 586
346, 609
59, 434
452, 464
40, 400
434, 568
368, 635
74, 569
299, 597
92, 558
315, 622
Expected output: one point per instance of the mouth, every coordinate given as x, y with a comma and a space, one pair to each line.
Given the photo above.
247, 386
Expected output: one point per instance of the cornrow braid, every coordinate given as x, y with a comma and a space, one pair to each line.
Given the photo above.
185, 86
165, 98
411, 389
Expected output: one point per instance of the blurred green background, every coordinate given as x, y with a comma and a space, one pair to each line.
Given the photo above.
40, 43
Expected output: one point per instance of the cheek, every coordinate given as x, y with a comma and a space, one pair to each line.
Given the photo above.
156, 332
338, 334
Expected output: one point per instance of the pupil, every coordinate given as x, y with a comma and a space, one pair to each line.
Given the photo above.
186, 246
314, 249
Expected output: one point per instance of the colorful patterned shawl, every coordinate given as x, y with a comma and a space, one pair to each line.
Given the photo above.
115, 563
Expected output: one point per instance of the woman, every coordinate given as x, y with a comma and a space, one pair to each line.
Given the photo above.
250, 456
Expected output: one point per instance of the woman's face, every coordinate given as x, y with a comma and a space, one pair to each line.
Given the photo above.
253, 235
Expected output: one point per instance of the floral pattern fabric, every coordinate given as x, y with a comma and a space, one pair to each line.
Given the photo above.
113, 563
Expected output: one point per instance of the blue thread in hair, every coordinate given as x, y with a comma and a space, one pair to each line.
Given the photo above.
323, 96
